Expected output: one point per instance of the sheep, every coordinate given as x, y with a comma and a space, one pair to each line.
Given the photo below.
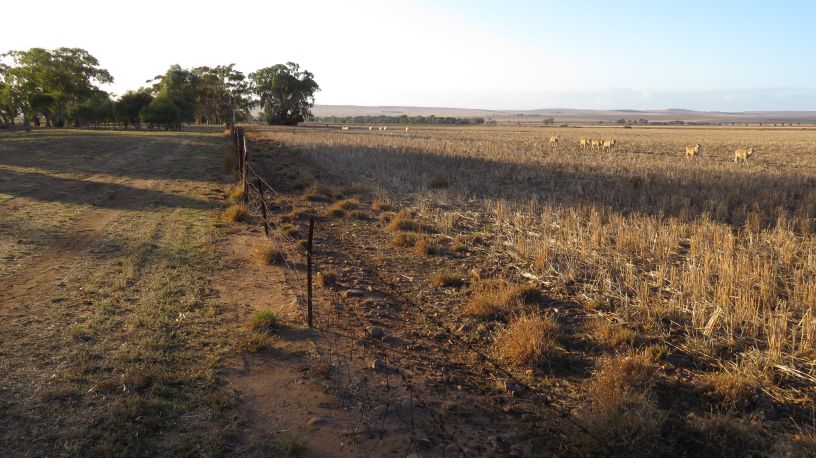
596, 144
370, 128
585, 143
385, 128
554, 141
608, 145
407, 129
344, 128
692, 151
743, 154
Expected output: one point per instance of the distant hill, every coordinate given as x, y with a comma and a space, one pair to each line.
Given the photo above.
568, 115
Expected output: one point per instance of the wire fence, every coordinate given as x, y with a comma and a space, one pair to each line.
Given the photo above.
352, 351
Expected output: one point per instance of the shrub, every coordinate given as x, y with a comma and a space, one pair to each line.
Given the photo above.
498, 298
236, 213
268, 253
447, 280
527, 341
265, 321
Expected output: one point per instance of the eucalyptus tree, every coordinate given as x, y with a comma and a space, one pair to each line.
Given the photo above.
285, 93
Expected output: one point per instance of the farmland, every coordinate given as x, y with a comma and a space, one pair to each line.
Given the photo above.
479, 292
666, 298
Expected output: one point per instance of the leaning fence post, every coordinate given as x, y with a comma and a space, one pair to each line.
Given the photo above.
263, 205
245, 171
309, 314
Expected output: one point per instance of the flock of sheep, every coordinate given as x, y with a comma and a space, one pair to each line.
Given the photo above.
691, 151
380, 128
598, 144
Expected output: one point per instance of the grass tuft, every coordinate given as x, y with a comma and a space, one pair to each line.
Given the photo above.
265, 321
527, 341
268, 254
447, 280
495, 298
236, 214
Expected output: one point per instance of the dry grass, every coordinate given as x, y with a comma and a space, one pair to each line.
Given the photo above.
326, 278
499, 298
438, 182
426, 246
236, 193
632, 372
268, 253
735, 389
404, 240
382, 204
236, 214
527, 341
447, 280
265, 321
611, 334
253, 342
406, 221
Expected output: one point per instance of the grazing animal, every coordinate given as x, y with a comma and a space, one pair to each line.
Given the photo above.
554, 141
585, 143
692, 151
743, 154
385, 128
595, 144
407, 129
608, 145
344, 128
370, 128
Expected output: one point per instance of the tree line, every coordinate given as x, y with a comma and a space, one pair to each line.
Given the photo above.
402, 119
61, 87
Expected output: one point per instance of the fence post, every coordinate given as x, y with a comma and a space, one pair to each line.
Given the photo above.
246, 170
263, 206
309, 313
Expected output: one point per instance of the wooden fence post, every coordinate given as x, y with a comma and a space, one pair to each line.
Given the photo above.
309, 273
246, 170
263, 206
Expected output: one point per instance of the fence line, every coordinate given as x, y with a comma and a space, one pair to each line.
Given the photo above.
329, 324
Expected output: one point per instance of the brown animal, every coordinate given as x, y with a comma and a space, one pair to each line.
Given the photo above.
743, 154
596, 144
692, 151
554, 141
584, 143
608, 145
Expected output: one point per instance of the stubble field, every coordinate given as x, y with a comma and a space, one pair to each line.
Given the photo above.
669, 302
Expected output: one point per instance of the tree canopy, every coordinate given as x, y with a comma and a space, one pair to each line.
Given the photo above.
285, 93
62, 86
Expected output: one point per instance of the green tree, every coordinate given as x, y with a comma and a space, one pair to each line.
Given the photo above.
223, 94
162, 112
179, 87
285, 93
130, 105
51, 83
94, 110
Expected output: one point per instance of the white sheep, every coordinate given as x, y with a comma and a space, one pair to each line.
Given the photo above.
743, 154
692, 151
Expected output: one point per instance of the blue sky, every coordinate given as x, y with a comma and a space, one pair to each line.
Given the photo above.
727, 55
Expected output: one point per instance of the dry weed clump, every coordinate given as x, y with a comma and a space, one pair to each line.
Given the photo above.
621, 411
253, 342
611, 334
236, 214
735, 389
404, 240
728, 435
494, 298
326, 278
236, 193
426, 246
527, 341
268, 253
382, 204
405, 221
265, 321
447, 280
348, 204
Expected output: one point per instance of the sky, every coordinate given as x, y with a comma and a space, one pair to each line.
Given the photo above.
700, 55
